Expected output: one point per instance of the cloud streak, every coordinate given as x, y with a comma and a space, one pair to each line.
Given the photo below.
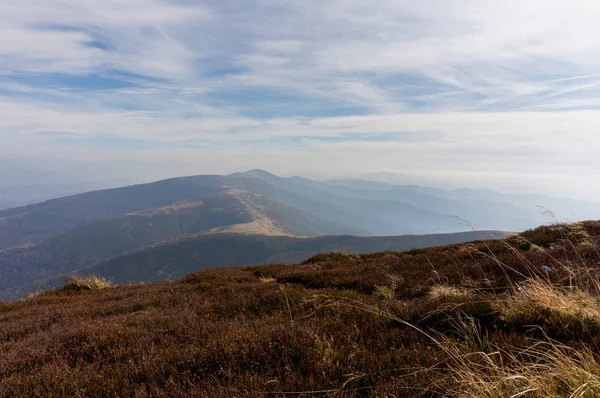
431, 87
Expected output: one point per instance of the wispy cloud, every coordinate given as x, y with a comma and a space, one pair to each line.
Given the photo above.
502, 87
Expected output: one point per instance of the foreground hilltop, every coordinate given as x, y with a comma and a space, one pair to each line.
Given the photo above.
482, 319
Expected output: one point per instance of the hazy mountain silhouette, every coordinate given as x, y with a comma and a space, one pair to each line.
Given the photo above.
43, 241
229, 211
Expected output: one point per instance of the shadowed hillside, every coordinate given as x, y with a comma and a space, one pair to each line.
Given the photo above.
178, 257
230, 211
517, 317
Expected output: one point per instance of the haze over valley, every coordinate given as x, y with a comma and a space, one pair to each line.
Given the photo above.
245, 218
166, 229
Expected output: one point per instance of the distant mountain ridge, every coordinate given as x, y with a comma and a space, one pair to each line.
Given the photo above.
43, 241
228, 211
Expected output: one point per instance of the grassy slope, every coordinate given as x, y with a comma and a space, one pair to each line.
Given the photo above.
37, 221
383, 216
318, 329
180, 257
46, 264
98, 241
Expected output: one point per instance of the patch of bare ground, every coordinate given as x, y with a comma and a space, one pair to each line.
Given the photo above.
261, 224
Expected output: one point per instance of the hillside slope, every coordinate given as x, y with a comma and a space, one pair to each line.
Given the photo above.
20, 194
230, 210
480, 319
178, 258
39, 268
363, 208
379, 214
33, 222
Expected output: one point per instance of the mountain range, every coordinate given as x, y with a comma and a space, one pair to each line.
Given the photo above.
166, 229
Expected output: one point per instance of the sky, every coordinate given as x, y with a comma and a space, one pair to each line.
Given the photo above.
471, 93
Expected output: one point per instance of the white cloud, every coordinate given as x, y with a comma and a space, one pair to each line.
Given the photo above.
57, 36
453, 89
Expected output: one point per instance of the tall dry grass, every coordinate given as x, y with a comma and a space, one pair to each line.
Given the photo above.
538, 306
544, 367
87, 282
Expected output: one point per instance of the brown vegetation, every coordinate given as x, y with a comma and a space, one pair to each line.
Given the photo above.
474, 320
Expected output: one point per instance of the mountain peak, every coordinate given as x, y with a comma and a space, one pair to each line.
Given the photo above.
257, 173
261, 173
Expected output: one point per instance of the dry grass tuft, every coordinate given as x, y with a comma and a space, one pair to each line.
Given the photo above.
545, 370
540, 301
540, 365
384, 292
446, 291
87, 283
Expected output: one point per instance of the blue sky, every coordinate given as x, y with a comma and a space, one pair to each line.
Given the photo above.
503, 94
